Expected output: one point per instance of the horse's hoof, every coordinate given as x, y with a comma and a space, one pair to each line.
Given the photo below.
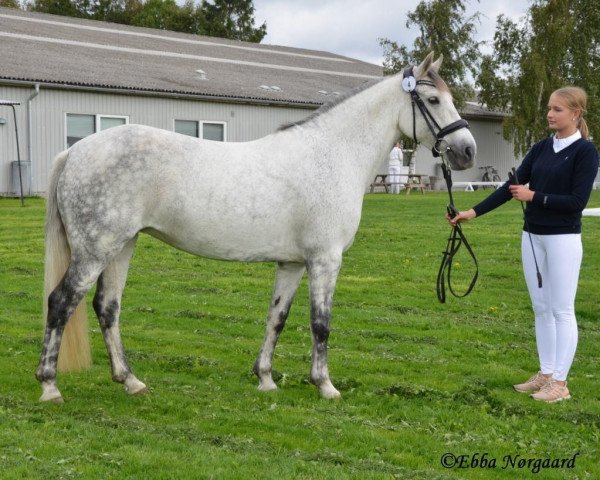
267, 386
58, 399
142, 391
50, 393
329, 392
135, 387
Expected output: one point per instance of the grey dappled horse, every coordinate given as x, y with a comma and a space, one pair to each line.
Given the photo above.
297, 201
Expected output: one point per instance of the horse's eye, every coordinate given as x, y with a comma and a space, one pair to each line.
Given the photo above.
433, 100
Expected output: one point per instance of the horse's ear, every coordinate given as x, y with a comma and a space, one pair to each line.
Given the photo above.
422, 69
435, 66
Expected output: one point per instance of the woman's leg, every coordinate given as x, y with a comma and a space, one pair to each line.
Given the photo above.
559, 259
564, 254
545, 329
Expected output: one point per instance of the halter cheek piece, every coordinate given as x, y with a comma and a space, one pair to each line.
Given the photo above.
409, 85
440, 147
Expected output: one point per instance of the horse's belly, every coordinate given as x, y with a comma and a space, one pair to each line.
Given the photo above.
235, 246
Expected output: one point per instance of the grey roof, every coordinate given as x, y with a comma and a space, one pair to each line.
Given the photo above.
474, 109
63, 51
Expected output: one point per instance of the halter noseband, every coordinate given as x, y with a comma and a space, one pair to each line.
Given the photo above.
409, 85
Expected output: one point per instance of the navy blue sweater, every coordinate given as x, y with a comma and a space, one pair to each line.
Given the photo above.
562, 183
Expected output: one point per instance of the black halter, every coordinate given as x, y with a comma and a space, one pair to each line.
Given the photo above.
457, 238
409, 84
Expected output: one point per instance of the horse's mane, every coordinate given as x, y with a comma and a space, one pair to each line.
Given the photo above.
329, 105
432, 74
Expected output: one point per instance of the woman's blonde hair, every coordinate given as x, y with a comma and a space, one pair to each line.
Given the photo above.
576, 100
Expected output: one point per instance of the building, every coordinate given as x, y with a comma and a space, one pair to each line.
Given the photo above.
73, 77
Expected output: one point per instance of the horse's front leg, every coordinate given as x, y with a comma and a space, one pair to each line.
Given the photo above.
322, 275
286, 283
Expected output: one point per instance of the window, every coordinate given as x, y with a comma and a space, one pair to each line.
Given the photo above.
110, 122
213, 131
187, 127
80, 126
206, 130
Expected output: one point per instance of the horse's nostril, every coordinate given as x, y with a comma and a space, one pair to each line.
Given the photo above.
469, 153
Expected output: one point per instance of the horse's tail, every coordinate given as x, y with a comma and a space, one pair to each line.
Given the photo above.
75, 353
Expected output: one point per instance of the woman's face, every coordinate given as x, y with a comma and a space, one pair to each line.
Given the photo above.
560, 117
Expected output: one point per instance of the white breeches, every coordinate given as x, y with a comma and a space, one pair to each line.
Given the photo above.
559, 260
394, 178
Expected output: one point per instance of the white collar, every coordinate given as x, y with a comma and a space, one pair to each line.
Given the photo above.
561, 143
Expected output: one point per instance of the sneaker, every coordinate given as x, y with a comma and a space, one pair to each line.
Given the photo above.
534, 384
552, 392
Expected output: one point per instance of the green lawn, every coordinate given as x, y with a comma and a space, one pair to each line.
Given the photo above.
419, 379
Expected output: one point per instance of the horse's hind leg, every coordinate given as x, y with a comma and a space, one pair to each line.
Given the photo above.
63, 300
322, 276
107, 305
286, 282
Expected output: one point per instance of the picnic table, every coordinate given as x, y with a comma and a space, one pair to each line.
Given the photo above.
408, 180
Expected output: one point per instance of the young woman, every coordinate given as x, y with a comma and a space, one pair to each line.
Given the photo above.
555, 180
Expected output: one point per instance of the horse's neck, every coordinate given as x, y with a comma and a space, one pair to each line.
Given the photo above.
362, 129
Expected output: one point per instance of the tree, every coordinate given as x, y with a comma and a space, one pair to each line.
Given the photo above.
161, 14
66, 8
232, 19
557, 43
222, 18
117, 11
10, 3
444, 30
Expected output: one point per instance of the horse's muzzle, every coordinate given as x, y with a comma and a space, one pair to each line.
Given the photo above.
461, 157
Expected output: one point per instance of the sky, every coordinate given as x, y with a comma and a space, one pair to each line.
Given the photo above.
352, 27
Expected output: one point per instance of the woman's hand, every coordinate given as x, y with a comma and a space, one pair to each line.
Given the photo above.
521, 193
461, 217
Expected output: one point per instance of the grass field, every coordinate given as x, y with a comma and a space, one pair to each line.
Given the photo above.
419, 379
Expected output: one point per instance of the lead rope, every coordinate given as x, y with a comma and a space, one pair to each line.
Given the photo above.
455, 241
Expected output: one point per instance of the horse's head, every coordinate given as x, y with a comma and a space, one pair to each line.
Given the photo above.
433, 120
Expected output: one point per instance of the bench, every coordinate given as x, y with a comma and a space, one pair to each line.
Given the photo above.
379, 181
